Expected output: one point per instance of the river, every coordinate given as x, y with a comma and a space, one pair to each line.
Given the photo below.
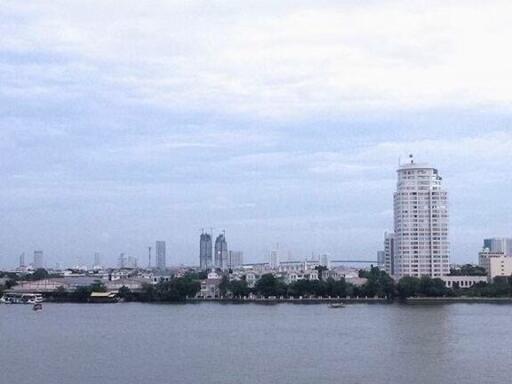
220, 343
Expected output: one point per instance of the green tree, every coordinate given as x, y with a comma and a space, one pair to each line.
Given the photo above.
125, 293
39, 274
468, 270
224, 285
269, 285
408, 287
336, 288
431, 287
239, 288
81, 294
98, 286
320, 269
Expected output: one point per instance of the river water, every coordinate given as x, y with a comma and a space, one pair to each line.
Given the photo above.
214, 343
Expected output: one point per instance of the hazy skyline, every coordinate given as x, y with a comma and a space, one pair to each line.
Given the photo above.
127, 122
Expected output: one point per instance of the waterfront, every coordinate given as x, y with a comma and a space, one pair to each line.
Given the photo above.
285, 343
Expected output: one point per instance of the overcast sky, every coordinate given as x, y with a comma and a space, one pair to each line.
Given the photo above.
126, 122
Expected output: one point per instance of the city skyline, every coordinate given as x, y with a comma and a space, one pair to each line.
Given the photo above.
284, 126
219, 259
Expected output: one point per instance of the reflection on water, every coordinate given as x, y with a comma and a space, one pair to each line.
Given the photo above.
211, 343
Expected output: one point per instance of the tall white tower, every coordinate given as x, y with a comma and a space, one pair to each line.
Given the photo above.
421, 246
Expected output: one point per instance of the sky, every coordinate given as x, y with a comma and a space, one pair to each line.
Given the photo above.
126, 122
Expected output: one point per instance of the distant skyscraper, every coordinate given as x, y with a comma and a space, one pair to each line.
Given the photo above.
161, 262
389, 253
496, 245
97, 260
131, 262
22, 260
274, 257
38, 260
381, 259
221, 252
421, 223
235, 259
324, 260
121, 261
205, 251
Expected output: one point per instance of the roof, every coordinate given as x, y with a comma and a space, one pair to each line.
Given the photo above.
103, 294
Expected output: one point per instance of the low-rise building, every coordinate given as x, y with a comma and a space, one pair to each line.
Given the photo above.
495, 263
210, 286
462, 281
292, 277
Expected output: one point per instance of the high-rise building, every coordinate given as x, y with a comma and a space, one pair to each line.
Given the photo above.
221, 252
22, 260
324, 260
205, 251
38, 260
121, 261
496, 245
131, 262
389, 253
274, 257
97, 260
161, 262
235, 259
381, 259
421, 223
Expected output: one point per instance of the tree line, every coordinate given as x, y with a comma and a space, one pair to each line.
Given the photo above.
378, 284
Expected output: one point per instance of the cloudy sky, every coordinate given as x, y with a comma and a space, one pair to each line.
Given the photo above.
124, 122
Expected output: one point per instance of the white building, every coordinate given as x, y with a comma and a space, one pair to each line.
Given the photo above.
292, 277
298, 266
495, 263
463, 281
421, 246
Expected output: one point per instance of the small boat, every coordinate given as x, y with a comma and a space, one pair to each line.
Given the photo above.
337, 305
38, 307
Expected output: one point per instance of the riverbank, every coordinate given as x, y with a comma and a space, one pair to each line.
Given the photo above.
291, 300
458, 300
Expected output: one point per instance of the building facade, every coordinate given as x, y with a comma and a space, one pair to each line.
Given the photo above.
38, 260
161, 257
381, 259
389, 253
421, 245
495, 263
499, 245
205, 251
235, 259
221, 252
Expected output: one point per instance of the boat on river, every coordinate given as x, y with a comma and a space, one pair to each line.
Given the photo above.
337, 305
21, 298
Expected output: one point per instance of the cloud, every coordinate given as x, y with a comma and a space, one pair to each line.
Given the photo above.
282, 120
290, 60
